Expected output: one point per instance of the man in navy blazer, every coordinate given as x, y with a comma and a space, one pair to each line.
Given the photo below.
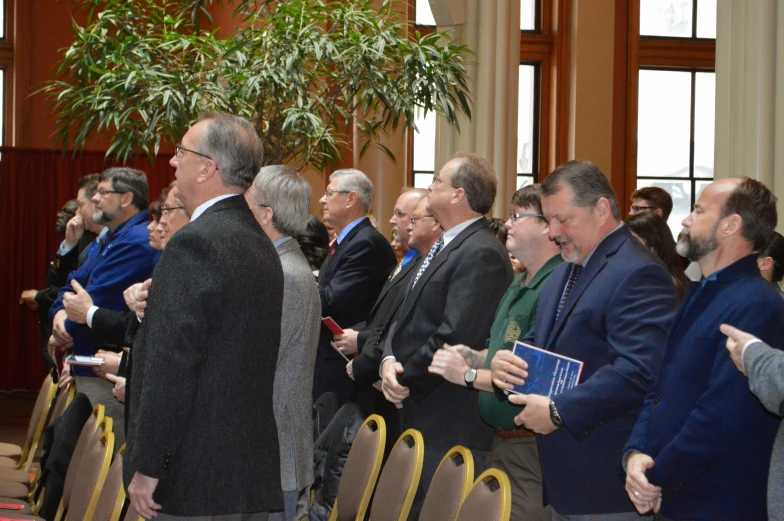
351, 277
701, 447
611, 306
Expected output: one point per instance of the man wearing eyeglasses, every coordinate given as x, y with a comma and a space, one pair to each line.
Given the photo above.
451, 299
651, 199
122, 258
202, 441
359, 261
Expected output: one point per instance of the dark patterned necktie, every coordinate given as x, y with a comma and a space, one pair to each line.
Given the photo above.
576, 270
430, 256
333, 244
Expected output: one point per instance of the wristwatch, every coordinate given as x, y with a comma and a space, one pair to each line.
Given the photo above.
554, 416
469, 377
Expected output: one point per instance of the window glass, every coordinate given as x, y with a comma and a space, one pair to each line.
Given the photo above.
424, 15
671, 18
526, 112
704, 123
706, 19
663, 125
425, 142
527, 15
3, 7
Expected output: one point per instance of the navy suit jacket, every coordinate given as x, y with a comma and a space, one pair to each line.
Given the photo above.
349, 282
616, 321
711, 439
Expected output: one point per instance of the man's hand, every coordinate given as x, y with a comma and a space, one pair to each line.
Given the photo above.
450, 362
28, 299
111, 363
350, 369
646, 497
65, 376
536, 415
736, 339
141, 300
131, 295
77, 304
508, 370
140, 492
59, 333
393, 391
347, 342
119, 386
74, 231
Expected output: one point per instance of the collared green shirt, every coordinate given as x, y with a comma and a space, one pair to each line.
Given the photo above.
515, 316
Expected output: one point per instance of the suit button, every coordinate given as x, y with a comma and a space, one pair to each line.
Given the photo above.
165, 465
657, 400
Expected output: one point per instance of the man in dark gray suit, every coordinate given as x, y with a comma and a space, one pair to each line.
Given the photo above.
279, 199
202, 440
764, 366
451, 300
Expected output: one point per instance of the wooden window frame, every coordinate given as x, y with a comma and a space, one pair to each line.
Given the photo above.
548, 48
650, 52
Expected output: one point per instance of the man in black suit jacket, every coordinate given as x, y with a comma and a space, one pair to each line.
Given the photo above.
352, 276
451, 300
202, 439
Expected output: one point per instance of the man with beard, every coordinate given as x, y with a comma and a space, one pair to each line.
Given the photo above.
610, 305
701, 447
122, 257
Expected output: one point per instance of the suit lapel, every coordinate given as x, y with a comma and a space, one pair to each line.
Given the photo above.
394, 281
331, 264
437, 262
596, 264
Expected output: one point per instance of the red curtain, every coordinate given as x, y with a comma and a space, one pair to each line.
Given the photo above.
34, 185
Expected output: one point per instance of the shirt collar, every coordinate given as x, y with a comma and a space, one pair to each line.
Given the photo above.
103, 234
282, 240
350, 226
453, 232
410, 254
205, 205
584, 263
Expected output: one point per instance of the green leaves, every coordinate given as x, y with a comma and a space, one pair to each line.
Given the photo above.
305, 72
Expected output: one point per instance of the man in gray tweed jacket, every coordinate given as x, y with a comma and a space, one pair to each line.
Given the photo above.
765, 368
279, 199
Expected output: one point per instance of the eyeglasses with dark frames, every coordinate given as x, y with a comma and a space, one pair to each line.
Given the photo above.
179, 152
328, 193
415, 220
165, 212
397, 213
513, 217
103, 191
642, 208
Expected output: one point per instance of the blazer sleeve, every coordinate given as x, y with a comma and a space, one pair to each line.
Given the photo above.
638, 321
359, 271
109, 326
705, 434
478, 282
176, 305
765, 367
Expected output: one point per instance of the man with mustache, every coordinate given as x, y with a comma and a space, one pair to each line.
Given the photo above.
609, 305
701, 447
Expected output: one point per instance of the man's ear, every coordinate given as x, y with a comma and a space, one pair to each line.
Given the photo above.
126, 200
765, 263
732, 225
207, 169
659, 212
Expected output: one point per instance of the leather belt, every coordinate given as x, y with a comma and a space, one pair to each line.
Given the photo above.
507, 434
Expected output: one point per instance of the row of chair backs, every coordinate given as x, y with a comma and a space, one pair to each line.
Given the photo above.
35, 428
452, 494
92, 471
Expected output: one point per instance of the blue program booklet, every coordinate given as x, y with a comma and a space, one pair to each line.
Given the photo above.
549, 374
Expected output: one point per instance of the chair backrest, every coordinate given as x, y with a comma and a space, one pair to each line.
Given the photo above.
110, 502
37, 423
490, 498
92, 473
64, 399
399, 478
449, 486
361, 471
93, 428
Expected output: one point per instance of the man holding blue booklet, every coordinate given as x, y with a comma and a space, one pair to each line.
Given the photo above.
514, 448
611, 306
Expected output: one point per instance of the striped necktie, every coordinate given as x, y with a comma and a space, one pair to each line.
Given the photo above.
576, 270
430, 256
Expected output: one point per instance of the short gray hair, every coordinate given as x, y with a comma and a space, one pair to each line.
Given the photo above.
353, 180
476, 177
126, 180
233, 144
587, 182
288, 194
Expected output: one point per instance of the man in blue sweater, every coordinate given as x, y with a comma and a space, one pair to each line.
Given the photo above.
701, 446
118, 260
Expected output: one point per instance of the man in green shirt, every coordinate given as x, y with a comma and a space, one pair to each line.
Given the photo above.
514, 448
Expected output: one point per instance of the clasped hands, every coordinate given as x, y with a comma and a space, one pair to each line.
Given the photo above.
643, 494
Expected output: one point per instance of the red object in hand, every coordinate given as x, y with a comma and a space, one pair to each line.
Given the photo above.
332, 325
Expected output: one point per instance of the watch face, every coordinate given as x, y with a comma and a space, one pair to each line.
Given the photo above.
470, 376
